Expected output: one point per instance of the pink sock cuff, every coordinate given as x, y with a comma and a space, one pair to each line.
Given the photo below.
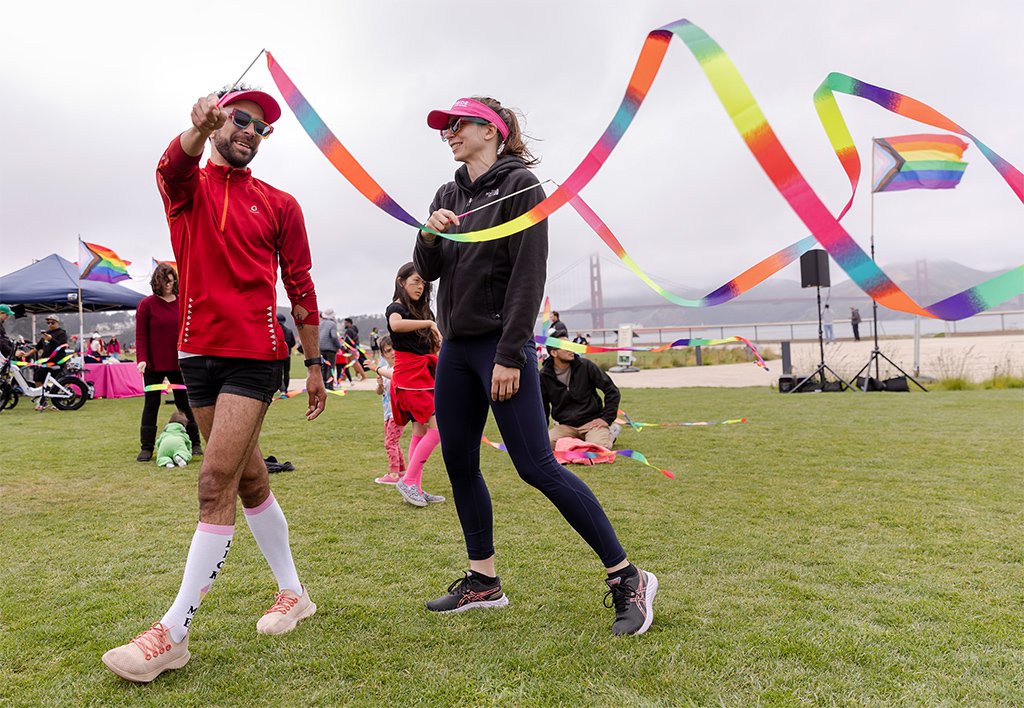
214, 528
266, 503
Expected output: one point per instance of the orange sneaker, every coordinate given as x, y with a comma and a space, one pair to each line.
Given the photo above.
286, 612
148, 655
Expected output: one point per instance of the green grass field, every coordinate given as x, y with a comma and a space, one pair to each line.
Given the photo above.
837, 549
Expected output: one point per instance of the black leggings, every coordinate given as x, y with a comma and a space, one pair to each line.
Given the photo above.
151, 408
462, 394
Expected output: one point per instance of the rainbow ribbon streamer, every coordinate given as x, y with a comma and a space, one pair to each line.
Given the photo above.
624, 419
165, 387
49, 361
629, 454
848, 254
766, 148
293, 394
555, 343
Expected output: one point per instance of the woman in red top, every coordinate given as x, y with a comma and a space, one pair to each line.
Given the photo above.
415, 339
156, 341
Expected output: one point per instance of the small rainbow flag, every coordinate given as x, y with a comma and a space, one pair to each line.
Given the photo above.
918, 162
172, 264
100, 263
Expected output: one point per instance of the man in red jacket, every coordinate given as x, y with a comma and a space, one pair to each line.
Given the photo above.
230, 232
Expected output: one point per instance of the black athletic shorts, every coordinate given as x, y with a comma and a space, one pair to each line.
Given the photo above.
206, 377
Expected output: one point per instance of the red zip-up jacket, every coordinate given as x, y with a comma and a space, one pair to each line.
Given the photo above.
229, 231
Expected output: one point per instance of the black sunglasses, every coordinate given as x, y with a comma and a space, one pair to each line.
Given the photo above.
456, 125
241, 120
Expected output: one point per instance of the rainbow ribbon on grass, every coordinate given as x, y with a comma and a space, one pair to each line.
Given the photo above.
766, 148
629, 454
637, 425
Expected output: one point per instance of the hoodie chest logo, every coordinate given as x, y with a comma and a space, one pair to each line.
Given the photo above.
492, 193
254, 210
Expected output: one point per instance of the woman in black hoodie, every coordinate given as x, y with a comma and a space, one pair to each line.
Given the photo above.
488, 299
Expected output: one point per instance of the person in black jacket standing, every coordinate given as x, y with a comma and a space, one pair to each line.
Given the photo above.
557, 328
569, 386
488, 299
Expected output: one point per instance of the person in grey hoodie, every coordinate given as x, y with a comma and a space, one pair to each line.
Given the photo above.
328, 346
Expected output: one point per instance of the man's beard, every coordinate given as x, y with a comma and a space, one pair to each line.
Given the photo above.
226, 148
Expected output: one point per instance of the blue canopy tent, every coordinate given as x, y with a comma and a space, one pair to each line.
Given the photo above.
52, 285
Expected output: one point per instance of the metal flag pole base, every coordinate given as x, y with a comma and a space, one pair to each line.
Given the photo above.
865, 371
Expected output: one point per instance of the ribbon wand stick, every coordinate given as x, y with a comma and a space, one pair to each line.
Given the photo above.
507, 196
239, 79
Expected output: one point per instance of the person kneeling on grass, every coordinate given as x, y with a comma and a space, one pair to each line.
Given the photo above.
174, 446
569, 386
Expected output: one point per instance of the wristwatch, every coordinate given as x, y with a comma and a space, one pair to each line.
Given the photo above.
314, 361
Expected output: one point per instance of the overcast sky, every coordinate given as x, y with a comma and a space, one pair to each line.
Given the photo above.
94, 92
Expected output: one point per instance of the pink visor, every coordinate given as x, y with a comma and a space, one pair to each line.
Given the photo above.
271, 110
467, 107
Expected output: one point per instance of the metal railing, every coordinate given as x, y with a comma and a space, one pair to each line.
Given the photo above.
983, 323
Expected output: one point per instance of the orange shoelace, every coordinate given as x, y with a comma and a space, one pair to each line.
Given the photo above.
282, 603
153, 641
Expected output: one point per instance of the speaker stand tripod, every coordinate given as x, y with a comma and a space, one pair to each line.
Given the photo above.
822, 366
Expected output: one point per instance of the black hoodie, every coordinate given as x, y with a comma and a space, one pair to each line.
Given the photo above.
489, 287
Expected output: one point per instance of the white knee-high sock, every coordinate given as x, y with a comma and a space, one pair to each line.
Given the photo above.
206, 555
270, 529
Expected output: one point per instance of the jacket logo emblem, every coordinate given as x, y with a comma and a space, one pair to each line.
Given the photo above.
254, 210
492, 193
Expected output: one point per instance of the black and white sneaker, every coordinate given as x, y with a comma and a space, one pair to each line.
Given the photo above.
633, 599
469, 593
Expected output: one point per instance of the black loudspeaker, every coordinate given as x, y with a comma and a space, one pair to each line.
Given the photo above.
814, 269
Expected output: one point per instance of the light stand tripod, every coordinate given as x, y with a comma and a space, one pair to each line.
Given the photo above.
822, 366
876, 353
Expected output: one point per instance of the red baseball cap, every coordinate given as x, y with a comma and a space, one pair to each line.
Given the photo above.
271, 109
470, 108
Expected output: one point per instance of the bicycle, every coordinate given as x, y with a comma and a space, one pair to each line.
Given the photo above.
68, 393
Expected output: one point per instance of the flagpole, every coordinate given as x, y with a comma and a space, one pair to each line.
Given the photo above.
874, 303
876, 353
81, 335
81, 326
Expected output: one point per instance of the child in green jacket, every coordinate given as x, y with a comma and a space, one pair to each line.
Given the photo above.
174, 447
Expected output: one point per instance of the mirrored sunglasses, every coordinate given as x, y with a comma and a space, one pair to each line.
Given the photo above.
241, 120
456, 125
